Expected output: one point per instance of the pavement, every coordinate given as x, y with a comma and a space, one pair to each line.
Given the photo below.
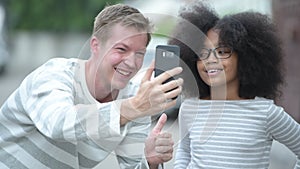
281, 157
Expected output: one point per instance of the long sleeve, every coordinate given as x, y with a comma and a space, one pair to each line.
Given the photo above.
183, 157
130, 152
283, 128
48, 99
48, 122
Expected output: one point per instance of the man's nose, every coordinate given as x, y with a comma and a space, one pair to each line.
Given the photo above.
129, 60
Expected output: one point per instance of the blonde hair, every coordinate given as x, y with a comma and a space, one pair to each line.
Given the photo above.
123, 14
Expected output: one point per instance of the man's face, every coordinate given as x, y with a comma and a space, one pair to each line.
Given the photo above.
120, 57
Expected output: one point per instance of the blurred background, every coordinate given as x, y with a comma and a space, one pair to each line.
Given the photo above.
33, 31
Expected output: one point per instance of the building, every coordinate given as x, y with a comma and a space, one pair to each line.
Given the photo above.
286, 13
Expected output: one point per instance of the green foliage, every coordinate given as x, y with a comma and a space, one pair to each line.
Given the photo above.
165, 27
54, 15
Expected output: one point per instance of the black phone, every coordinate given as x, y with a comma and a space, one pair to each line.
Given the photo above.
166, 58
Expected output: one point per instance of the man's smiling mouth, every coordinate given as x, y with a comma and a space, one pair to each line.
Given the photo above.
122, 72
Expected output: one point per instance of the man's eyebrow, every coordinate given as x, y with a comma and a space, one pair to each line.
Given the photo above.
128, 47
143, 49
120, 43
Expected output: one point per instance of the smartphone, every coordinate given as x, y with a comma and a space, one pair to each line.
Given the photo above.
166, 58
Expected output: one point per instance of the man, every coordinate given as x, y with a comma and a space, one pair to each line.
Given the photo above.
72, 113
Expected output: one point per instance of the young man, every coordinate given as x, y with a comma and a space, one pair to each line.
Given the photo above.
72, 113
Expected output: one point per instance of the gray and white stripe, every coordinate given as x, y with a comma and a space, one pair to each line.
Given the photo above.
45, 123
233, 134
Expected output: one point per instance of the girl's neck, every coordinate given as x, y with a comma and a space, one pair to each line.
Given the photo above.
224, 93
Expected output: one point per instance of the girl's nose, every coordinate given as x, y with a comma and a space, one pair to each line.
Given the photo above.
212, 57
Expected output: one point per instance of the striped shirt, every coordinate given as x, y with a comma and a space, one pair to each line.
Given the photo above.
52, 121
233, 134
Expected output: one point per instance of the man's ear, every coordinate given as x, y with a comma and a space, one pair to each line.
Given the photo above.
94, 43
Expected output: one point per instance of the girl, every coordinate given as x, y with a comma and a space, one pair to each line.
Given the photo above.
237, 66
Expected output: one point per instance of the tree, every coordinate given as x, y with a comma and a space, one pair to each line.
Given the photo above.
54, 15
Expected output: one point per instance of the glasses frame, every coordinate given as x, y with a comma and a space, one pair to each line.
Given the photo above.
215, 53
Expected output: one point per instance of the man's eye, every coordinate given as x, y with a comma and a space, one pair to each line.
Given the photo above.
140, 54
121, 49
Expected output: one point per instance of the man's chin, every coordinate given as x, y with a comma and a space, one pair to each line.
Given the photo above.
120, 85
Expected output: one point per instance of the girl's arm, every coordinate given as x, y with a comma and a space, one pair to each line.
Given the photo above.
183, 157
283, 128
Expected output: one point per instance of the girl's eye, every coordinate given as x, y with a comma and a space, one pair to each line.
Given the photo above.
223, 51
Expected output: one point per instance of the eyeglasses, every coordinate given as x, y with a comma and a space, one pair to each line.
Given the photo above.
221, 52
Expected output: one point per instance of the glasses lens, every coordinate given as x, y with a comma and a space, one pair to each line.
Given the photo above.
223, 52
204, 53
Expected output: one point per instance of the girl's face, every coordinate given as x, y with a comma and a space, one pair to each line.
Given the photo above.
218, 72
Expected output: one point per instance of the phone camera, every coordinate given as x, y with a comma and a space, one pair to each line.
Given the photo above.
167, 54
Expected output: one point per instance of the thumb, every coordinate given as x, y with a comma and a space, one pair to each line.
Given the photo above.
149, 72
160, 123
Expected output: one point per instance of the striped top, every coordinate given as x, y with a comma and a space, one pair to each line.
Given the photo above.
233, 134
52, 121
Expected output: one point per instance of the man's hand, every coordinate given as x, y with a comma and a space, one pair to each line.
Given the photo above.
153, 96
159, 145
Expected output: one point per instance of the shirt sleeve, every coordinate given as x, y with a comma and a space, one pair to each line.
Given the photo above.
130, 152
183, 157
283, 128
48, 99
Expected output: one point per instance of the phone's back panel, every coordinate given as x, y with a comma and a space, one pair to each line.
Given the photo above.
166, 58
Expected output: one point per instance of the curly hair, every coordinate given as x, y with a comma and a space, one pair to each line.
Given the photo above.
252, 36
203, 19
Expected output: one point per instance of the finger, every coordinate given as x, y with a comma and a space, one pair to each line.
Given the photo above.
164, 135
172, 84
152, 65
149, 72
173, 93
164, 142
160, 123
165, 156
163, 139
169, 104
164, 149
169, 73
